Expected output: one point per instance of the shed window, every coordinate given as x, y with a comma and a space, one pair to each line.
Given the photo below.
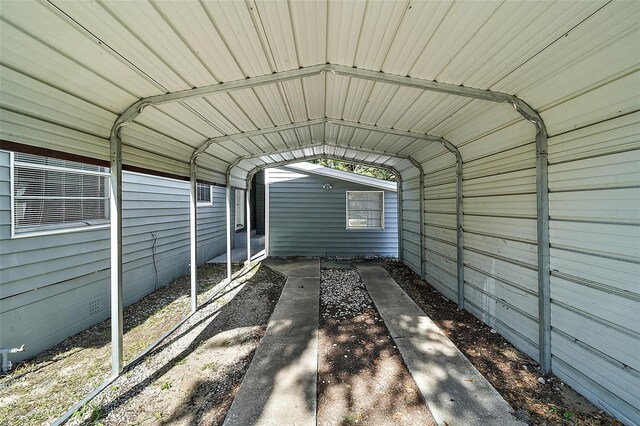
203, 193
57, 194
365, 210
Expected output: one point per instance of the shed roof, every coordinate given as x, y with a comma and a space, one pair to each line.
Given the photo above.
285, 81
317, 169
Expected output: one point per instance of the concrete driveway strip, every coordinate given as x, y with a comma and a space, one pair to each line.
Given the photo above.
279, 387
455, 392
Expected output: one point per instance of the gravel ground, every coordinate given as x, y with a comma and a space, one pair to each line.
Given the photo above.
361, 375
343, 293
192, 377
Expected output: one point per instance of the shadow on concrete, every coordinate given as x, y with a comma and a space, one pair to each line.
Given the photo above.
452, 387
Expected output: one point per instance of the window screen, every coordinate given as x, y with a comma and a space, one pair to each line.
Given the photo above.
203, 193
52, 193
365, 210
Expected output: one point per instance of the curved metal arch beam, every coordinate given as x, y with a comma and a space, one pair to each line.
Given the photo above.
542, 185
321, 144
296, 125
137, 107
392, 170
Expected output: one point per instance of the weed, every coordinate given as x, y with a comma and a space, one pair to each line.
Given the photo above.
158, 415
80, 412
210, 366
165, 385
180, 361
567, 415
351, 419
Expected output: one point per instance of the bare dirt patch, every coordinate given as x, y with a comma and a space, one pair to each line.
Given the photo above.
362, 378
514, 375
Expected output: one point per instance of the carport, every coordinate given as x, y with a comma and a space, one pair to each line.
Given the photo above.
512, 128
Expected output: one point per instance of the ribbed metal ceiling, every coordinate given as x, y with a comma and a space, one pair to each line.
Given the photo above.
69, 69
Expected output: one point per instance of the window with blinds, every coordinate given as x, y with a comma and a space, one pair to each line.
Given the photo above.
365, 210
203, 193
50, 194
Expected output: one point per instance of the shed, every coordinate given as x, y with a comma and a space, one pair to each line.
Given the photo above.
308, 213
513, 126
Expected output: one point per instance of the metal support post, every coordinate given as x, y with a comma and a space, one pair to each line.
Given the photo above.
544, 269
423, 273
229, 248
399, 190
542, 213
115, 212
193, 236
247, 226
266, 213
459, 232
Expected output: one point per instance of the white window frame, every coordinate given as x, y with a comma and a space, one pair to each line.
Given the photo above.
53, 228
204, 203
364, 228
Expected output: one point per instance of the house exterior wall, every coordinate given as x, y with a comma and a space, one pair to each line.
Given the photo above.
53, 286
259, 198
307, 220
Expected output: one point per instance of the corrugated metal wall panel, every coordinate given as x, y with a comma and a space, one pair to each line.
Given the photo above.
500, 241
307, 220
411, 223
440, 239
47, 282
595, 261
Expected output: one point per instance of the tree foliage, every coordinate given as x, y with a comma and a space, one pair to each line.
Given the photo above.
356, 168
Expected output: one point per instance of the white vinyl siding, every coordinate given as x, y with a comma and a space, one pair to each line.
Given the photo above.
51, 195
365, 209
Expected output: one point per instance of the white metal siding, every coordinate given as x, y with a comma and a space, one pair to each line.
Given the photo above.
594, 180
411, 223
440, 224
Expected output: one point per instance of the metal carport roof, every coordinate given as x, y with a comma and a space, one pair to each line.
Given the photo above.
217, 90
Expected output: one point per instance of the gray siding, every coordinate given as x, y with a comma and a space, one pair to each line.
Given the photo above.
307, 220
48, 282
259, 207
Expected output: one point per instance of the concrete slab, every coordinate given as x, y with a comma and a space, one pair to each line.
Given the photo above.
455, 392
239, 253
280, 384
294, 266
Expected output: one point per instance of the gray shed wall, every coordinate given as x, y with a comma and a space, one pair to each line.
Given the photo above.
259, 207
307, 220
48, 282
